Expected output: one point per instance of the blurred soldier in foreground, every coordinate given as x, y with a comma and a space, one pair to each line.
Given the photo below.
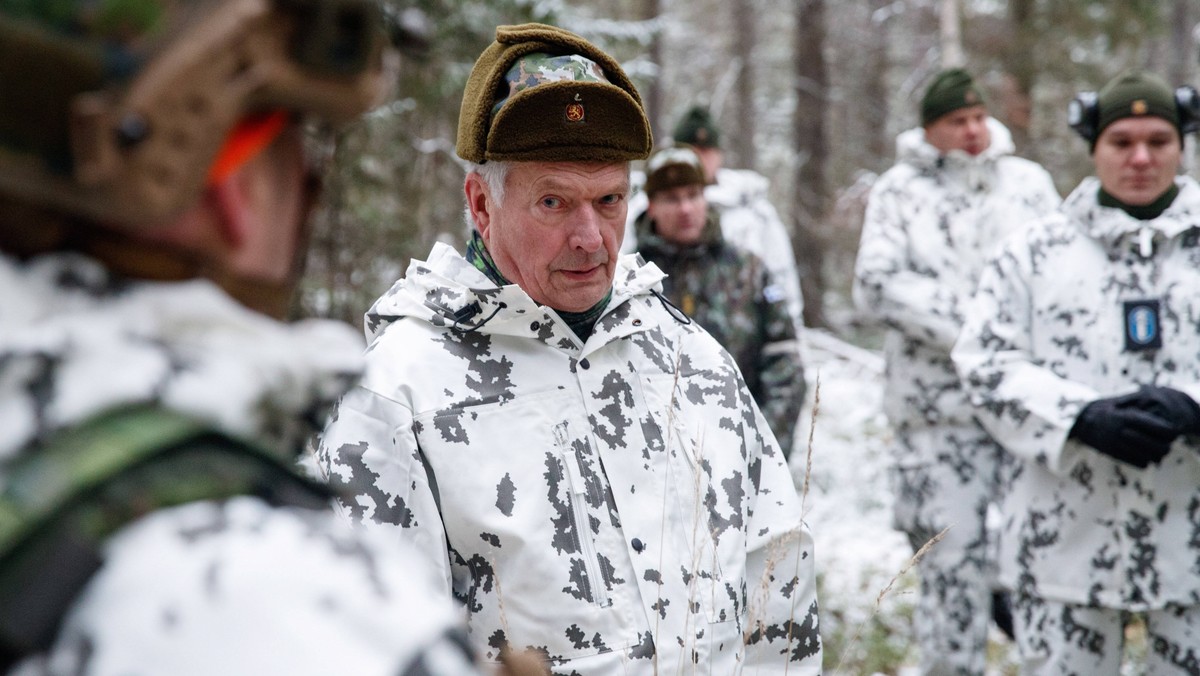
1080, 350
153, 175
727, 290
582, 462
931, 220
748, 219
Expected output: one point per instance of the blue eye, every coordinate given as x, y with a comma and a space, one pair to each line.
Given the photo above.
551, 202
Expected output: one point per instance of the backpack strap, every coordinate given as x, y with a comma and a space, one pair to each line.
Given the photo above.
62, 498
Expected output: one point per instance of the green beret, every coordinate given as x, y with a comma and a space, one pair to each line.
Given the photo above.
1135, 93
525, 103
673, 167
950, 90
696, 128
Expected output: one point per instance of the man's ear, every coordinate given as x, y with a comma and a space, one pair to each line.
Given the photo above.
236, 216
479, 202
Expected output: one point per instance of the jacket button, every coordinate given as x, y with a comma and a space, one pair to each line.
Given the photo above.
584, 364
637, 545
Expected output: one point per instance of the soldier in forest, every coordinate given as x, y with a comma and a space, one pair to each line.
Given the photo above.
154, 188
727, 290
955, 191
748, 219
583, 464
1080, 351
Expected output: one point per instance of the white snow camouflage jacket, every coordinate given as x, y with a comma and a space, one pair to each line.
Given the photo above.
620, 505
1045, 336
930, 223
231, 587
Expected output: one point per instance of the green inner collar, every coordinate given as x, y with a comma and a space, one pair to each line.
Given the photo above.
1144, 212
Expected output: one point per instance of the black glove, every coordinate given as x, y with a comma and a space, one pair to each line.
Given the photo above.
1170, 405
1119, 428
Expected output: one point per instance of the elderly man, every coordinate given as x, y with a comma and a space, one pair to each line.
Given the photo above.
151, 517
1080, 351
581, 461
727, 290
931, 220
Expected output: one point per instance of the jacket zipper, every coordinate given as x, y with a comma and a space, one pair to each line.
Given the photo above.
579, 516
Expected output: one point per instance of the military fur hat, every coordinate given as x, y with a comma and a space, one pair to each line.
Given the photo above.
541, 93
1135, 94
673, 167
697, 128
950, 90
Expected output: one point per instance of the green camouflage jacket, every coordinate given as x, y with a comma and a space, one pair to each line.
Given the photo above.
730, 293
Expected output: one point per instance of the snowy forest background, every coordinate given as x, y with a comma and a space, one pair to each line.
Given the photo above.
811, 93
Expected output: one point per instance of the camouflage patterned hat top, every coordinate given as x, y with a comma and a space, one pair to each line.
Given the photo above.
950, 90
541, 93
673, 167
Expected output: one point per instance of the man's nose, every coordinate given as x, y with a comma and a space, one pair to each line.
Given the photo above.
585, 230
1141, 153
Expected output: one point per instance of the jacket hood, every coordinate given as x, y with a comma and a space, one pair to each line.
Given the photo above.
736, 187
1110, 225
912, 148
78, 341
447, 291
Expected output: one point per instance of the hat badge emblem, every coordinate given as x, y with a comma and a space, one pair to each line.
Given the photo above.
575, 111
1139, 107
970, 97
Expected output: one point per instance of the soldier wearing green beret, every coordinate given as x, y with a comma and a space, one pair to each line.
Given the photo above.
1080, 350
582, 462
955, 192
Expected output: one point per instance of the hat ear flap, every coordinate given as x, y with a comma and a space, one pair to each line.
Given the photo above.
1083, 112
1187, 100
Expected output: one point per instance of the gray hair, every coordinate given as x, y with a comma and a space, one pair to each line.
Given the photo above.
494, 174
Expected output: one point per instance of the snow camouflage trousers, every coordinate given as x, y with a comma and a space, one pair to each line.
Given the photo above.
957, 572
1059, 638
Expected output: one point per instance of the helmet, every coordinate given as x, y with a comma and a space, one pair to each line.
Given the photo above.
114, 110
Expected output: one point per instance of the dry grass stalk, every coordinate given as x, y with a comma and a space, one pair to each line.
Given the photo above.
916, 558
808, 459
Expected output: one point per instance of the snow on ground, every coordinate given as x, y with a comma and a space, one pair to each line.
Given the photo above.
848, 507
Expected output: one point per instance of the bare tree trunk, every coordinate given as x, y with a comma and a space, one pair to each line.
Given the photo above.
1183, 47
1023, 70
875, 88
950, 35
652, 95
812, 152
745, 39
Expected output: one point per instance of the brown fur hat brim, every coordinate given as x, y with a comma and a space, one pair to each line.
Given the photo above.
559, 121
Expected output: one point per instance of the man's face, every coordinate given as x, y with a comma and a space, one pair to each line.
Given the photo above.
678, 213
557, 232
964, 129
1137, 158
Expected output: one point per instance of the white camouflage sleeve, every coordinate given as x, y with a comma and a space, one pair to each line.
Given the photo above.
782, 635
369, 452
1026, 406
889, 286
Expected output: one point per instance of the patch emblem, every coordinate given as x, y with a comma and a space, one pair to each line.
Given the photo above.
969, 98
1142, 331
1139, 107
575, 112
